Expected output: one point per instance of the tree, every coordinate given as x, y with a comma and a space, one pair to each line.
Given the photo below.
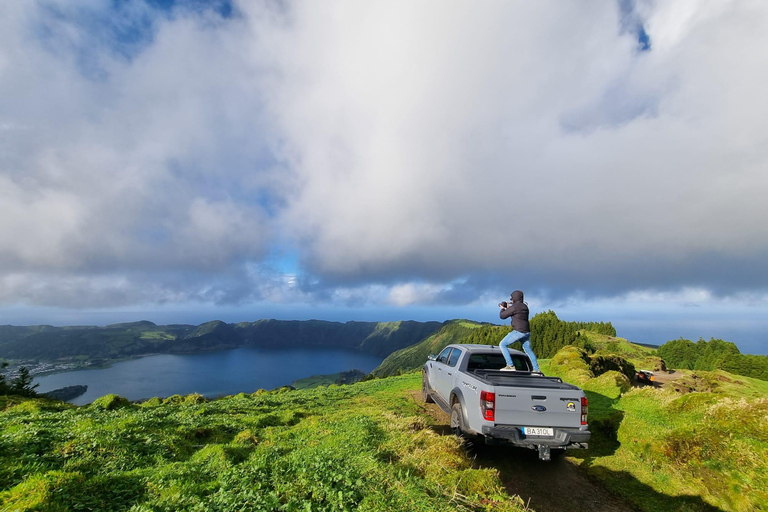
714, 354
4, 389
22, 385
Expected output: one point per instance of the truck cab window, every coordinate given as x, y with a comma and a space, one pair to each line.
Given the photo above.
443, 357
454, 358
495, 362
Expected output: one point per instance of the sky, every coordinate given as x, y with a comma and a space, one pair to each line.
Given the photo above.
183, 161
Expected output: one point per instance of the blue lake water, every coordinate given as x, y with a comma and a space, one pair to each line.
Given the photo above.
211, 374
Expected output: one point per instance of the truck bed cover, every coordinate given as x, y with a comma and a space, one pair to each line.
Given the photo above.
522, 380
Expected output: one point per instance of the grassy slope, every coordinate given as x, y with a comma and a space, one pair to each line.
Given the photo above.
358, 447
366, 447
313, 381
403, 360
664, 450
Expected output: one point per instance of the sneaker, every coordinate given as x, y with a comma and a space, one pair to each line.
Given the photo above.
509, 369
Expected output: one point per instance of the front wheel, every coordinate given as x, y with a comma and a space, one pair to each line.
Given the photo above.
457, 420
425, 396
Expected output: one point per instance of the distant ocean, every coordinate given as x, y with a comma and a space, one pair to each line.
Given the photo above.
749, 339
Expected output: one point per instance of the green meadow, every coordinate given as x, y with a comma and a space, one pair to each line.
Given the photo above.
359, 447
698, 445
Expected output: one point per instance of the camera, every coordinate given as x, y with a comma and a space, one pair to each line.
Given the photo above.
504, 304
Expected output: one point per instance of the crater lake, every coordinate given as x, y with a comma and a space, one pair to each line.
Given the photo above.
211, 374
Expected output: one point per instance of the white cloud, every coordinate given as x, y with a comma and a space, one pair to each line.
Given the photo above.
141, 165
442, 147
408, 151
412, 293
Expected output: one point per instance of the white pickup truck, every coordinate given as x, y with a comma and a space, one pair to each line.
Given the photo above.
513, 407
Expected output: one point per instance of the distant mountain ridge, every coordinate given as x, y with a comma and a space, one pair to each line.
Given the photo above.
45, 342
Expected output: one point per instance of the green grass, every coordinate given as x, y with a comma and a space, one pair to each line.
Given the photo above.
663, 449
346, 377
157, 335
369, 446
359, 447
316, 380
642, 357
413, 356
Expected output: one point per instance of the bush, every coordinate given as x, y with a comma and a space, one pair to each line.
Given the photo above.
601, 363
573, 364
195, 398
152, 402
174, 399
110, 402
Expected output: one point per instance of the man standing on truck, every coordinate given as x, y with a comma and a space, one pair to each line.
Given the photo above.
521, 330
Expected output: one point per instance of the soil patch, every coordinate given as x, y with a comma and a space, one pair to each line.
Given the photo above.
554, 486
663, 378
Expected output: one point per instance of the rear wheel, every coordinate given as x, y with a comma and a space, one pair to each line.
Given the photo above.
457, 420
425, 390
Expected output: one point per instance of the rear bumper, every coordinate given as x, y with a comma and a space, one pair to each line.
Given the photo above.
563, 438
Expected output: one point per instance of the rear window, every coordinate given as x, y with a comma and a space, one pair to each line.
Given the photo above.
495, 362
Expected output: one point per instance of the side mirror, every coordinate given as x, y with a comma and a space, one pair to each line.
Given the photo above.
432, 357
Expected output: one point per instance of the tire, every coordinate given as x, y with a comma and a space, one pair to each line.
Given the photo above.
425, 396
457, 421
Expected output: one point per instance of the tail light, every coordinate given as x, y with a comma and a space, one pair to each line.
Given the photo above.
488, 405
584, 410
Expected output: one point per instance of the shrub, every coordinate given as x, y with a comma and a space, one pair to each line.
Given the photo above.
110, 402
194, 398
601, 363
152, 402
573, 364
245, 438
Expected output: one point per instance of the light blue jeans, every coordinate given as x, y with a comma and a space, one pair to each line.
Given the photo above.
512, 337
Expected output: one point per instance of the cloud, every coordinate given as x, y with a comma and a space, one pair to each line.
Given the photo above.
148, 163
408, 153
526, 141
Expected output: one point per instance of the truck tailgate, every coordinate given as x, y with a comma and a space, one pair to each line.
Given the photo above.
536, 401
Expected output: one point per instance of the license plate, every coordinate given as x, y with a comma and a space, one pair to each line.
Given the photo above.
538, 431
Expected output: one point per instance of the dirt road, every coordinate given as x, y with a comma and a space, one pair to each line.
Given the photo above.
555, 486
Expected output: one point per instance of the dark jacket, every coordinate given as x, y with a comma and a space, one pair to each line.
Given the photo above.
518, 310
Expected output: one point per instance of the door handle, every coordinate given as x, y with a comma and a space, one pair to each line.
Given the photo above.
449, 373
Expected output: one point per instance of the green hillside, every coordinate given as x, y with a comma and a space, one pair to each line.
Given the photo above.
699, 445
548, 335
373, 446
454, 331
366, 446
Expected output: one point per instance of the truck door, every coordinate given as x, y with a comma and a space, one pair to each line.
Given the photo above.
440, 373
449, 374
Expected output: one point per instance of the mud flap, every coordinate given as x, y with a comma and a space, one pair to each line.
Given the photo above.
544, 452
